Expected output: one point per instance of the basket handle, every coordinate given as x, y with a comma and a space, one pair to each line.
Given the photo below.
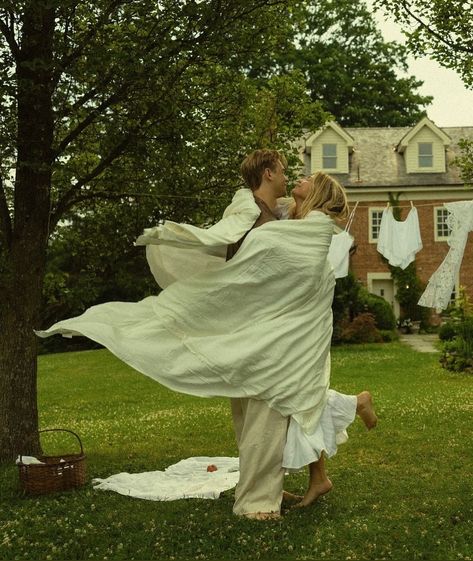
60, 430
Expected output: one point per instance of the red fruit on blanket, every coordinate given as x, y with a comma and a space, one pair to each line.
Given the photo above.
212, 467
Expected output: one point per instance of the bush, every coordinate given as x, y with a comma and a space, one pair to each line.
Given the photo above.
457, 354
361, 330
389, 335
381, 310
447, 331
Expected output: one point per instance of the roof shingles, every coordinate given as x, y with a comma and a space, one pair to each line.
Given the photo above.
376, 163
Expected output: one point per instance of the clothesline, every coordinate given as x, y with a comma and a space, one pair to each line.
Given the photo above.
199, 198
368, 204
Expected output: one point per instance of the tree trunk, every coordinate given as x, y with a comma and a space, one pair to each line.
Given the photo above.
21, 279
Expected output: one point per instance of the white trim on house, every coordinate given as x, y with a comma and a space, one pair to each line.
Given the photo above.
336, 128
370, 277
424, 122
456, 288
329, 148
437, 237
409, 193
372, 209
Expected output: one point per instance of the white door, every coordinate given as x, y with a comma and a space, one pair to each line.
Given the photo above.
385, 289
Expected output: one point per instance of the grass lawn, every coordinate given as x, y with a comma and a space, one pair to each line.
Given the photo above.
403, 491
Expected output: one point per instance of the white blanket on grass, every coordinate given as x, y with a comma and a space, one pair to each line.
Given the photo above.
257, 326
188, 479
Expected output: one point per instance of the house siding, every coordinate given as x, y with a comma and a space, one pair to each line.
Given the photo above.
411, 153
329, 136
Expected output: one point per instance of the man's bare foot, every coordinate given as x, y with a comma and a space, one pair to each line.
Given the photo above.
290, 497
364, 409
314, 492
263, 515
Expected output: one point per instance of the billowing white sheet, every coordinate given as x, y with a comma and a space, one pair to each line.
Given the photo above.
257, 326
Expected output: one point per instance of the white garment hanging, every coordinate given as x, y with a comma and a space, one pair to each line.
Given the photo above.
339, 250
399, 241
440, 286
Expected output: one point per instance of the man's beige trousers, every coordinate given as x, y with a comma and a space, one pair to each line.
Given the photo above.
261, 437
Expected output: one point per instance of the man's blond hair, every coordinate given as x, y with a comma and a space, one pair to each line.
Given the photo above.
326, 194
254, 165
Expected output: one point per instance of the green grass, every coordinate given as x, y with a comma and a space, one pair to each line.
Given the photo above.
403, 491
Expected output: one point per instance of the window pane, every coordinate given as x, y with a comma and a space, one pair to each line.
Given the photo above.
425, 155
329, 150
425, 149
329, 162
425, 161
443, 231
376, 216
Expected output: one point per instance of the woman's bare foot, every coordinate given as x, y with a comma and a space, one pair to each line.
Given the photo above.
290, 497
314, 492
263, 515
364, 409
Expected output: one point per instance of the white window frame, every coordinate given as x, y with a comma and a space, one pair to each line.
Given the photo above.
372, 209
437, 237
455, 292
425, 154
333, 157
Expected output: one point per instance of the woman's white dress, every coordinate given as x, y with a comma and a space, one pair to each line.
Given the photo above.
257, 326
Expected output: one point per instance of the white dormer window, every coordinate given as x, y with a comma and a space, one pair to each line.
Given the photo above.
329, 149
423, 148
426, 155
329, 156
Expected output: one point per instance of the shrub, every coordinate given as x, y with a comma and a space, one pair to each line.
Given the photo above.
457, 354
361, 330
389, 335
447, 331
381, 310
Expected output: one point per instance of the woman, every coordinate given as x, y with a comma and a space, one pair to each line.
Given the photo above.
303, 448
257, 326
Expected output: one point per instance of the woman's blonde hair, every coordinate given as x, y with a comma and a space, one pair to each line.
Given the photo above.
326, 194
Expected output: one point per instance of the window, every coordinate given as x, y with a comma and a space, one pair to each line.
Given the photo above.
453, 296
329, 156
426, 158
442, 229
376, 214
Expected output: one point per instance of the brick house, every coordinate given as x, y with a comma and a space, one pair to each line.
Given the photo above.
416, 162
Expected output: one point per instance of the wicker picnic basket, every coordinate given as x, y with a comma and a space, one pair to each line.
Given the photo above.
56, 473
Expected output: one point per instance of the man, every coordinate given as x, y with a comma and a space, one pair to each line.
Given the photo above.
260, 431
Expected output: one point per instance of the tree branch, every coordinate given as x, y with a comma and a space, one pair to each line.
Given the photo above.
84, 124
454, 45
9, 34
70, 197
65, 62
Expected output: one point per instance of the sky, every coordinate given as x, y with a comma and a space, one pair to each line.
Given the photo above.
452, 105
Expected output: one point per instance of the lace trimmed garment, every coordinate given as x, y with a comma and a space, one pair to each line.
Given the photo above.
399, 241
304, 448
442, 282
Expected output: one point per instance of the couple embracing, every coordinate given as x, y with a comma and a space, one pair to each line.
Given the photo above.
246, 313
